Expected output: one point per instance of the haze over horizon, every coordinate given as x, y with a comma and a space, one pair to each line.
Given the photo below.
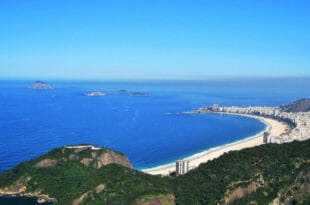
178, 40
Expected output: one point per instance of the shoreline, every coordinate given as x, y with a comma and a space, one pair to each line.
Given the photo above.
274, 126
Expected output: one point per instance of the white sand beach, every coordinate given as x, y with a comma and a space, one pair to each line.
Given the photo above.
273, 126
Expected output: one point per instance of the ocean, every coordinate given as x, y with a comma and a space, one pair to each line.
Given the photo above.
32, 122
8, 200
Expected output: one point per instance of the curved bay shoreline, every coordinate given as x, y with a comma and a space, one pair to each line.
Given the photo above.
273, 126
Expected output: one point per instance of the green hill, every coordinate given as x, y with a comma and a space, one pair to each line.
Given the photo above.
83, 176
266, 174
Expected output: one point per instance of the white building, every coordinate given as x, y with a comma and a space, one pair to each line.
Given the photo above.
182, 167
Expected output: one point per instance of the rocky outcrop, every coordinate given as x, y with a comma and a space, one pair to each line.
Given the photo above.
46, 163
39, 85
21, 190
108, 157
241, 192
295, 192
111, 157
97, 190
96, 94
73, 157
13, 190
168, 199
86, 161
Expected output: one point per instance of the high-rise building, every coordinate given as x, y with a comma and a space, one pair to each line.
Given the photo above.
182, 167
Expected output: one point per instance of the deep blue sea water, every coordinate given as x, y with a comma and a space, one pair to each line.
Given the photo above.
33, 122
7, 200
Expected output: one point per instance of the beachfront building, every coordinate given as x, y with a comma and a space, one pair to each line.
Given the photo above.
182, 167
299, 121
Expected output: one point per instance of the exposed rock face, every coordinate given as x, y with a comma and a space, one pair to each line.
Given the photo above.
302, 105
158, 200
47, 163
97, 156
244, 191
16, 189
97, 190
241, 192
86, 161
111, 157
39, 85
296, 191
73, 157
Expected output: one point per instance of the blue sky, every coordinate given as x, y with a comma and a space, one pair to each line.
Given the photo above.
78, 39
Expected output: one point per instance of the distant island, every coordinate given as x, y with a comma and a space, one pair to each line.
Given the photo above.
140, 94
119, 92
40, 85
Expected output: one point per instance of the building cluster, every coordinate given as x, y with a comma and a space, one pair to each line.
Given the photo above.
299, 122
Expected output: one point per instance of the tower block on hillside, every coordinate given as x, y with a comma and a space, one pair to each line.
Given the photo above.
182, 167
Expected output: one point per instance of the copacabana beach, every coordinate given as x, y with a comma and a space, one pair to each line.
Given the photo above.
275, 128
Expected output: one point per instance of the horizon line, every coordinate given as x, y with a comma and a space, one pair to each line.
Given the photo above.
245, 78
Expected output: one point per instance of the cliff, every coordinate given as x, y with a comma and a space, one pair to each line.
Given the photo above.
39, 85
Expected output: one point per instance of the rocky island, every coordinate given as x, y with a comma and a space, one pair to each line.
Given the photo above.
140, 94
40, 85
119, 92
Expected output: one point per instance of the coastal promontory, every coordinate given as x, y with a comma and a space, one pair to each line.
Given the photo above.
82, 174
40, 85
87, 174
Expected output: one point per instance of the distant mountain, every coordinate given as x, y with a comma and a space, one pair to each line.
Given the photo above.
40, 85
302, 105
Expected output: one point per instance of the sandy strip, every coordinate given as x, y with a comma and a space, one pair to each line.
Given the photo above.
273, 126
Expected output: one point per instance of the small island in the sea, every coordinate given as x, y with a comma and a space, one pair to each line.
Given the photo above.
40, 85
118, 92
139, 94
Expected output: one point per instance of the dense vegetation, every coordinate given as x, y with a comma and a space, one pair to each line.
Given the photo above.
278, 166
276, 171
69, 179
